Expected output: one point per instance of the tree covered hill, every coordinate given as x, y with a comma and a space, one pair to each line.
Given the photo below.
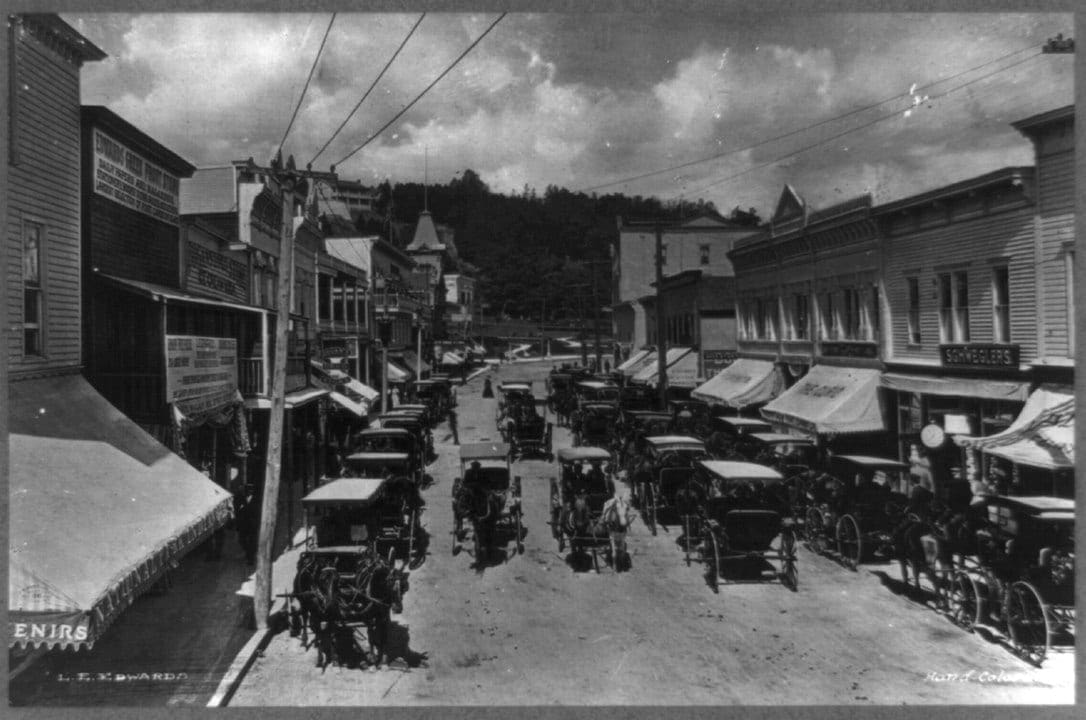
535, 253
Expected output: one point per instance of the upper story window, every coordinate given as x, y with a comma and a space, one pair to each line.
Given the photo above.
800, 317
1001, 311
953, 307
827, 317
850, 314
33, 299
913, 286
703, 251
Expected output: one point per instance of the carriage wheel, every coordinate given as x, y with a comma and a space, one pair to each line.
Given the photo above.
710, 555
964, 601
815, 531
648, 512
789, 571
686, 538
520, 545
1027, 621
849, 542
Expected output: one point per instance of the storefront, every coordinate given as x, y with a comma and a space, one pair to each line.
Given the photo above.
744, 383
648, 371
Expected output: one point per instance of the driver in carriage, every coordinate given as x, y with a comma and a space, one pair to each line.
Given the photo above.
595, 481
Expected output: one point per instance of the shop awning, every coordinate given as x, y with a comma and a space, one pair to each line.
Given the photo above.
1043, 434
649, 372
413, 363
649, 360
360, 408
295, 399
99, 511
831, 400
956, 387
451, 358
345, 385
633, 361
745, 382
396, 374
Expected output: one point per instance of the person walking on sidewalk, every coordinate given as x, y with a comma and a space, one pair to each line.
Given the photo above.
452, 426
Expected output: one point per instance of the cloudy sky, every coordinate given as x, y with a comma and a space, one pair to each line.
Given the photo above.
834, 104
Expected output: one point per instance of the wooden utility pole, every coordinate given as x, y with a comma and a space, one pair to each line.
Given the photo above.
661, 339
270, 504
596, 318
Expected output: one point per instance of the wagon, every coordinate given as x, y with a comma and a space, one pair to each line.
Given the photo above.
596, 391
594, 424
386, 440
585, 510
511, 395
663, 469
486, 498
412, 421
421, 409
346, 575
738, 526
526, 431
436, 395
632, 426
394, 524
1018, 574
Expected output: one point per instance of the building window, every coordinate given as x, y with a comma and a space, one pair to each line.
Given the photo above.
828, 317
769, 319
953, 307
914, 310
1001, 312
800, 317
759, 320
850, 325
875, 323
1069, 278
704, 250
32, 289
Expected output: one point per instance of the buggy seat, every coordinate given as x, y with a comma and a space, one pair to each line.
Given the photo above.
751, 530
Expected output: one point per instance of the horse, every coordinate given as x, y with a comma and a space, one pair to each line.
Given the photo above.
612, 523
482, 507
330, 600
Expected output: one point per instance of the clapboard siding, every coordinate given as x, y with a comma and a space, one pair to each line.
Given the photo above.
973, 246
129, 244
43, 187
1057, 230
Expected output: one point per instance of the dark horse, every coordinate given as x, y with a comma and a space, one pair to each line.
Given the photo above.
482, 507
329, 600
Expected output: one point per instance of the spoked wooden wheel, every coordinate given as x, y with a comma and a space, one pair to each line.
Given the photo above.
849, 542
648, 512
1027, 621
789, 571
815, 531
963, 601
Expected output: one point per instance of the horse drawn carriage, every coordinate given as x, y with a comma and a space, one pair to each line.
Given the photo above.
1016, 572
585, 509
596, 391
414, 422
347, 577
486, 497
857, 508
594, 424
662, 470
736, 513
637, 397
387, 451
690, 417
435, 395
523, 428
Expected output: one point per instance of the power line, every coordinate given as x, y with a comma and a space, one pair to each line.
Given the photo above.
447, 70
852, 130
304, 89
797, 131
371, 87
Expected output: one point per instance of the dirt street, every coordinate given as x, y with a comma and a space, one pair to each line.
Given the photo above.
532, 631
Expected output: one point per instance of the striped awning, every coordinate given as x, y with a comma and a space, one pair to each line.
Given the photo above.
830, 400
1043, 434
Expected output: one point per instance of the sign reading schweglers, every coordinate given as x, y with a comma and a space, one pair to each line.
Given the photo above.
126, 177
201, 372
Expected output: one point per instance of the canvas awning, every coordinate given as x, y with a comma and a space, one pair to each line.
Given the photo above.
1043, 434
956, 387
648, 373
360, 408
451, 358
647, 360
396, 374
633, 361
413, 363
831, 400
745, 382
99, 510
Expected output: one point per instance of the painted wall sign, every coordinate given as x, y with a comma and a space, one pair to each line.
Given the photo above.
976, 355
128, 178
201, 372
717, 360
216, 274
338, 347
850, 349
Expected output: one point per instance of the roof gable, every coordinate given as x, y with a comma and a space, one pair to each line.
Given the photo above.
425, 234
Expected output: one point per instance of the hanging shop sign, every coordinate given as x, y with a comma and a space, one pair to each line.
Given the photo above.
201, 372
126, 177
717, 360
980, 356
338, 347
216, 274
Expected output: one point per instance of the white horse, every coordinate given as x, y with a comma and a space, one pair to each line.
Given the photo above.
613, 523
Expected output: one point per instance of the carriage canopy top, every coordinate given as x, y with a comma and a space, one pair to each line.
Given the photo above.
596, 384
582, 454
346, 490
1035, 504
484, 451
735, 470
743, 423
378, 456
774, 438
411, 407
668, 441
515, 387
401, 411
871, 462
385, 432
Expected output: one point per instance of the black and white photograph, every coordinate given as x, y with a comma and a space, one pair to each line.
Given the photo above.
698, 357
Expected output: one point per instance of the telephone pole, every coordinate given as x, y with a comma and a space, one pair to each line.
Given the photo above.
287, 179
661, 340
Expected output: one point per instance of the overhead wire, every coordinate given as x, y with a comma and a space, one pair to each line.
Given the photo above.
301, 97
418, 97
806, 128
370, 89
868, 124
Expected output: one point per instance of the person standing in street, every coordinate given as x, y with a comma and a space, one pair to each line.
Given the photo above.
452, 426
